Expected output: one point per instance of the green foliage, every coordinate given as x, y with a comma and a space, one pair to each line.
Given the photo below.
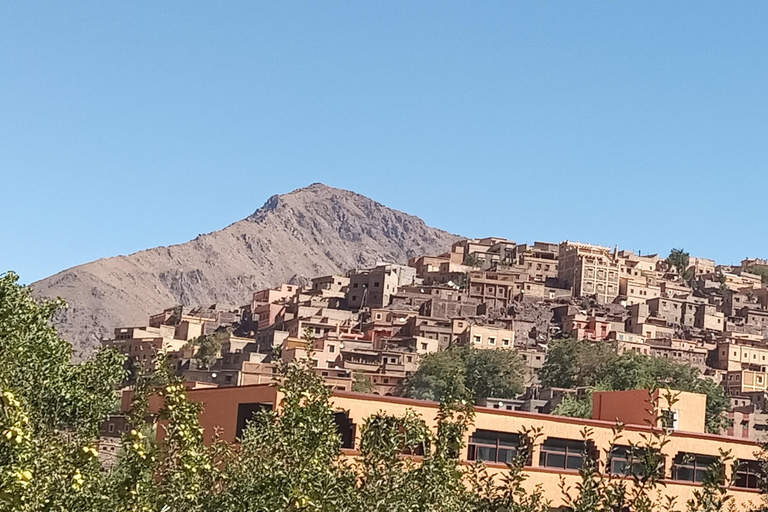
713, 495
362, 383
209, 349
291, 459
391, 482
759, 270
510, 494
50, 410
467, 371
679, 260
574, 363
473, 260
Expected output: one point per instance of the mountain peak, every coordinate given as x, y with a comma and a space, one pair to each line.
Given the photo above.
312, 231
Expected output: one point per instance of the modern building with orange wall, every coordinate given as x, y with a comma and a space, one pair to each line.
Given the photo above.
557, 454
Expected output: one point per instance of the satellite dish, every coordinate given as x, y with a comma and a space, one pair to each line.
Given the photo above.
213, 375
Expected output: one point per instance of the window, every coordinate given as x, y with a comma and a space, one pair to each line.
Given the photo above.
691, 467
354, 285
562, 453
375, 284
346, 428
748, 475
331, 348
424, 346
478, 340
111, 427
409, 359
505, 343
626, 460
244, 414
492, 446
378, 316
491, 340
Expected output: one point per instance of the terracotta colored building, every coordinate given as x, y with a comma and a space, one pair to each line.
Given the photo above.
495, 434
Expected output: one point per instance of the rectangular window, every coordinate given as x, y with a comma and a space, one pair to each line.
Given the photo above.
244, 414
493, 446
346, 429
748, 475
505, 343
331, 348
478, 340
691, 467
562, 453
626, 461
491, 341
669, 419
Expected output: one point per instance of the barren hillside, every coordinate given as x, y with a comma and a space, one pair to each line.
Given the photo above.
309, 232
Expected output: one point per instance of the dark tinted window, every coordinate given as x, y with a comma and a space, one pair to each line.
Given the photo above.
562, 453
493, 446
346, 429
245, 412
691, 467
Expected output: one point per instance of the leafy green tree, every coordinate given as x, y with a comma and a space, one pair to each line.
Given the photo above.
362, 383
437, 372
50, 410
290, 458
473, 260
759, 270
478, 373
574, 363
209, 349
494, 373
679, 260
488, 494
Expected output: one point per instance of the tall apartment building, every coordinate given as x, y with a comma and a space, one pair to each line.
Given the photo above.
373, 288
539, 259
589, 270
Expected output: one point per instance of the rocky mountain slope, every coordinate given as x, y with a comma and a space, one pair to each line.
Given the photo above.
309, 232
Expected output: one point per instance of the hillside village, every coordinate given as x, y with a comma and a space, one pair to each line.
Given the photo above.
489, 293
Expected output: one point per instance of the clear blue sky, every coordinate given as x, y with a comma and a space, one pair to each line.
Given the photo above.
126, 125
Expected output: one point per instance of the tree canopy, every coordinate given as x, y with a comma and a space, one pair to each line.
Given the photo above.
209, 349
480, 373
51, 409
759, 270
575, 363
679, 260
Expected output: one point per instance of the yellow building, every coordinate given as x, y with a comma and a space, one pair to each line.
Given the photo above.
558, 453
